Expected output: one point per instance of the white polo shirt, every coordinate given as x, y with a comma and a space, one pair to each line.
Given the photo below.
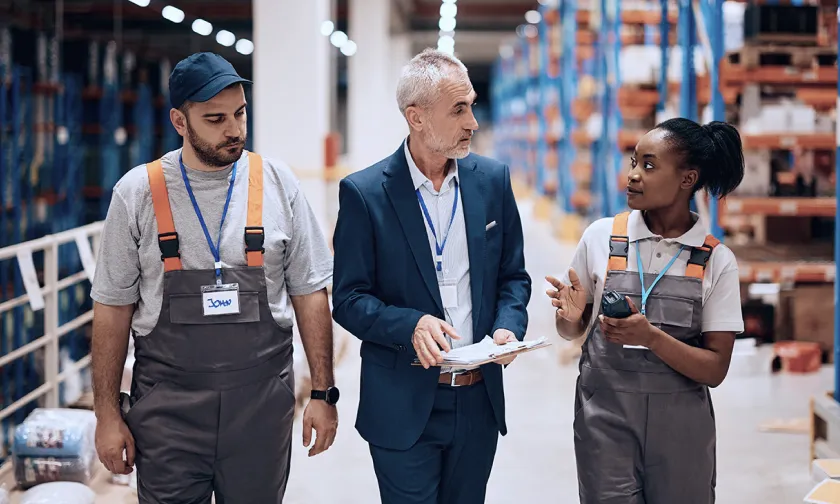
721, 285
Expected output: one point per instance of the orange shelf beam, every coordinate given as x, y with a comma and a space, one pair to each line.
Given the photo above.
801, 207
775, 272
783, 141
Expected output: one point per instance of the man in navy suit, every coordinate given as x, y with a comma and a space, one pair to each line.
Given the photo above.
428, 257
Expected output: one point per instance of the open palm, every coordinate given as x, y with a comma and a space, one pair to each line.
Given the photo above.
569, 300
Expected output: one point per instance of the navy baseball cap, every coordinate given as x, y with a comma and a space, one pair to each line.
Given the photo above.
200, 77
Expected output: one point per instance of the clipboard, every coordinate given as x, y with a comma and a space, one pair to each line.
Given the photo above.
486, 357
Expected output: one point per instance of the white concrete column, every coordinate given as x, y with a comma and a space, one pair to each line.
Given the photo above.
292, 90
375, 126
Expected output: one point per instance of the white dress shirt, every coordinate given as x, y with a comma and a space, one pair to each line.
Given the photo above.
455, 269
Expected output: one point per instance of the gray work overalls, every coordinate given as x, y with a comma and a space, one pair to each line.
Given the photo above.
212, 401
644, 433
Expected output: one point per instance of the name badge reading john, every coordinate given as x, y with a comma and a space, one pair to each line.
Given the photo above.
220, 299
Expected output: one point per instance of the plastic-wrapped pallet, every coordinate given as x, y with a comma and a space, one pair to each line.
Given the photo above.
59, 493
32, 471
56, 432
54, 445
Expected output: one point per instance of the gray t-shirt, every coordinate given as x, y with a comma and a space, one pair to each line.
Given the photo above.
129, 270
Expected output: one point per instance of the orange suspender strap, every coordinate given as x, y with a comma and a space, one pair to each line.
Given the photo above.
167, 237
254, 231
619, 243
696, 266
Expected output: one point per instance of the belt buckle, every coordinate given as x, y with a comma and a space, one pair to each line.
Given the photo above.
452, 376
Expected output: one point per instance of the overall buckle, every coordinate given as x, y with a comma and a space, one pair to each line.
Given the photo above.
169, 245
254, 239
619, 246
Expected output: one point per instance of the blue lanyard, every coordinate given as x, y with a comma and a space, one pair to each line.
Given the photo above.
439, 246
214, 248
646, 293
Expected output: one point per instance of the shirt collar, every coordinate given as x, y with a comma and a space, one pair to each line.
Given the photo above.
638, 230
419, 179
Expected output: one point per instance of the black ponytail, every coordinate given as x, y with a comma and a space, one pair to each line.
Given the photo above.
713, 149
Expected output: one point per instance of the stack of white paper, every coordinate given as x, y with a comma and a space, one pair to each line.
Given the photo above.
487, 351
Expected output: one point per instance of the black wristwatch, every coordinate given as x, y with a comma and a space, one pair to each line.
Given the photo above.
330, 395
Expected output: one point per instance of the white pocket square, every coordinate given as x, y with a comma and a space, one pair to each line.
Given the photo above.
490, 226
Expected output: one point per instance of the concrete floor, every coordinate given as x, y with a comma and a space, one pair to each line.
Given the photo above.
535, 461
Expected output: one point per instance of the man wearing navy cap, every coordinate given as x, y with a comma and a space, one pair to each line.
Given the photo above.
207, 256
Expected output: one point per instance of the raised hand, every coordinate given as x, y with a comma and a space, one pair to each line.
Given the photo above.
569, 300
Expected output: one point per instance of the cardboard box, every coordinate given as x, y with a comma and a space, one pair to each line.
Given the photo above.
802, 315
826, 492
757, 180
822, 469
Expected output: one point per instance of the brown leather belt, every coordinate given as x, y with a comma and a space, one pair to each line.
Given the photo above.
461, 378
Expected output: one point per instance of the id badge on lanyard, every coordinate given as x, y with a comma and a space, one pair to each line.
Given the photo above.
221, 298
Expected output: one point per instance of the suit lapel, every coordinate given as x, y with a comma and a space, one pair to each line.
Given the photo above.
472, 190
400, 190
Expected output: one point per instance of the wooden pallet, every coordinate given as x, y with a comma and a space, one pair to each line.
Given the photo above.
825, 427
755, 56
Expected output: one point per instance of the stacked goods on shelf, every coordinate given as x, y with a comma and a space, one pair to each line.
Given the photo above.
74, 117
780, 220
54, 445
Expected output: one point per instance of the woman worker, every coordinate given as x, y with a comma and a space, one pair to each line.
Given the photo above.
644, 423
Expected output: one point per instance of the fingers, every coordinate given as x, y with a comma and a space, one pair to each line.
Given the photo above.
323, 440
307, 428
320, 444
129, 452
117, 462
633, 308
574, 279
423, 354
436, 336
553, 281
448, 329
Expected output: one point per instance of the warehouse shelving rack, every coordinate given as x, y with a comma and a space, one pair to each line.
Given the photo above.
698, 22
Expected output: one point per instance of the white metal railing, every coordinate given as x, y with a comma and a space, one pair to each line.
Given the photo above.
46, 298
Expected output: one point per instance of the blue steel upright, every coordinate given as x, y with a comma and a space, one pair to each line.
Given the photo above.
568, 93
687, 32
837, 251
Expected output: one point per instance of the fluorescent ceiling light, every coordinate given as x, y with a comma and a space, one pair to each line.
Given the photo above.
244, 46
141, 3
533, 16
202, 27
446, 41
348, 48
448, 10
173, 14
225, 38
447, 24
338, 38
327, 28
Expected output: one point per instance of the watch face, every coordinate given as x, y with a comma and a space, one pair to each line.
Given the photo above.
332, 395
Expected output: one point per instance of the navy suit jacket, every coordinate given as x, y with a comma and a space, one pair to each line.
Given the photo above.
384, 281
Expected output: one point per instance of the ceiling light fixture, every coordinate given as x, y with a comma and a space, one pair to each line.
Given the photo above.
225, 38
173, 14
244, 46
202, 27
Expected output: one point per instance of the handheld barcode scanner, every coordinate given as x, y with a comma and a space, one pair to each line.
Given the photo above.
614, 305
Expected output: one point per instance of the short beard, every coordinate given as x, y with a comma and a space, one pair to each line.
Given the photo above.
438, 146
217, 156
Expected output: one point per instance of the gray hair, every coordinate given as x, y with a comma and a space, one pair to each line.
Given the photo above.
421, 77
